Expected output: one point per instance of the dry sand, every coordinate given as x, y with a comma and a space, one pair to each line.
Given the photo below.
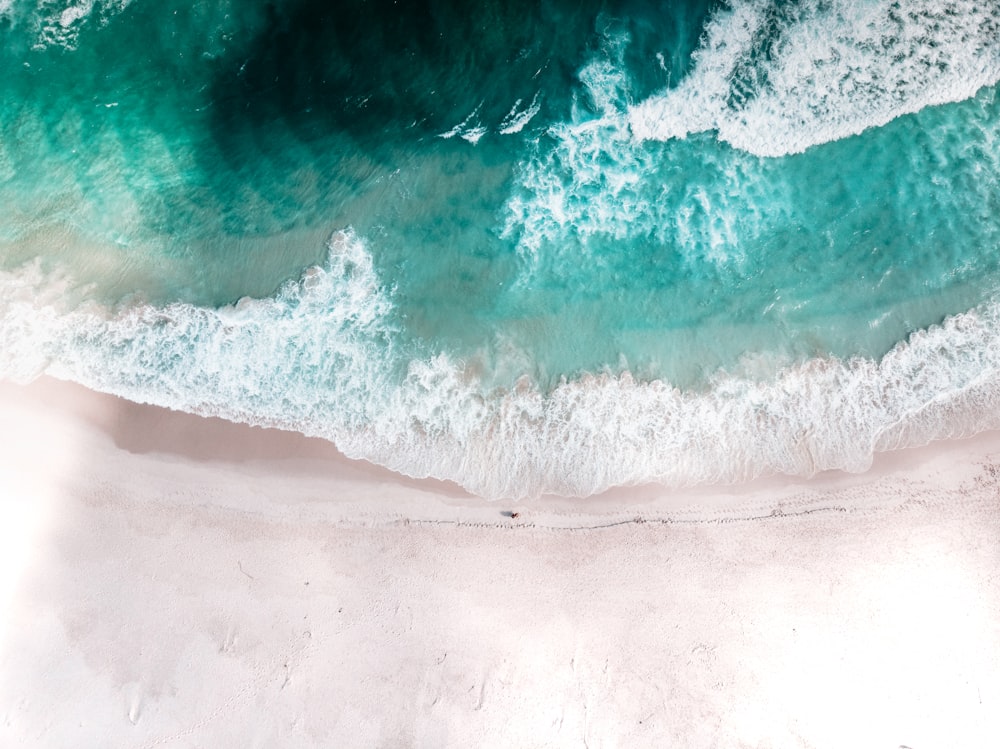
173, 581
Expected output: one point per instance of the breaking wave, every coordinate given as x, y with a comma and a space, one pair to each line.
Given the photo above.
776, 78
323, 357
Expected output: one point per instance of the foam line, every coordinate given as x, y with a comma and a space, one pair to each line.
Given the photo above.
516, 119
322, 357
777, 78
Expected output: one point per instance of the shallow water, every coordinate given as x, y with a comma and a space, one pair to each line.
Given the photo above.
545, 247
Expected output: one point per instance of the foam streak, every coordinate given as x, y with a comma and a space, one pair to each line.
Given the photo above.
776, 78
322, 358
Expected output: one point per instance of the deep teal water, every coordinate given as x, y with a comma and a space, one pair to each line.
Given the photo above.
553, 246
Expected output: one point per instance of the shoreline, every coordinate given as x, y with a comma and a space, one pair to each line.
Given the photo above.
177, 580
311, 464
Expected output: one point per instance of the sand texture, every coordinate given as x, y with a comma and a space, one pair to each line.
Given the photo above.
172, 581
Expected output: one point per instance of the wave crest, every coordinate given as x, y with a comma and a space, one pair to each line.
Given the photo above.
322, 357
776, 78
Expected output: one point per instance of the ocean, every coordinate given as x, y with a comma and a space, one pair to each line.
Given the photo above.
527, 247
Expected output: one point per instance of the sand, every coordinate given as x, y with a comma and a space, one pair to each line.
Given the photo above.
173, 581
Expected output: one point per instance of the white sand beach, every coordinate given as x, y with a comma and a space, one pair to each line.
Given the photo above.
174, 581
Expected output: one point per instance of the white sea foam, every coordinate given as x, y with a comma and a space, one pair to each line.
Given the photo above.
590, 178
585, 182
516, 118
474, 134
776, 78
468, 129
59, 22
472, 130
322, 357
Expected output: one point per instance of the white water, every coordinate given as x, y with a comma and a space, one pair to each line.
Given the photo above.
516, 119
59, 22
322, 357
776, 78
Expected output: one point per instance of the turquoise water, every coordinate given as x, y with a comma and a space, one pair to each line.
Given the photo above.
527, 247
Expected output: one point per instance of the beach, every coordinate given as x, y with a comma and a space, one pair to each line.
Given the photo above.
177, 581
563, 374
